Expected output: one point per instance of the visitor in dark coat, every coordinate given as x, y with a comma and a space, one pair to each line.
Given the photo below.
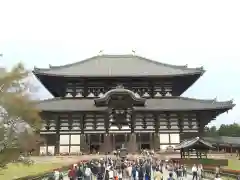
141, 173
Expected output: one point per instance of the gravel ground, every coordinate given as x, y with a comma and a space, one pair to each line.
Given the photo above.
73, 159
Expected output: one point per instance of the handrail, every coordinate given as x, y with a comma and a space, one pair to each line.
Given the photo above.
210, 174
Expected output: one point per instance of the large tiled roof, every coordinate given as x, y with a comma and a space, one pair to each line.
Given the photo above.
163, 104
191, 142
118, 66
224, 140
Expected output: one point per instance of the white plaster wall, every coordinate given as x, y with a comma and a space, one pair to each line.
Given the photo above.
174, 138
64, 139
75, 139
51, 149
43, 150
64, 149
75, 149
164, 138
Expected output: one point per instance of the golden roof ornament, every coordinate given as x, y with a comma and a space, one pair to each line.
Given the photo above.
133, 52
119, 86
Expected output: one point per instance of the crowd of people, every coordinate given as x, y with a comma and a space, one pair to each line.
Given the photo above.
144, 168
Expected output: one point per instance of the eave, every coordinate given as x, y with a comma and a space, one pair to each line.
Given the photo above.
164, 104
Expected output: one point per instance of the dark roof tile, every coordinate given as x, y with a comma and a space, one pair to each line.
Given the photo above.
191, 142
118, 66
163, 104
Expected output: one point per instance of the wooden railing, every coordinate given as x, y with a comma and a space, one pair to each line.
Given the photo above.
210, 174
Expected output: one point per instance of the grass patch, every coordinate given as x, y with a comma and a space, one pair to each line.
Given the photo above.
20, 170
233, 164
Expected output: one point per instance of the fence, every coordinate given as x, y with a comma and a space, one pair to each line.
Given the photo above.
210, 174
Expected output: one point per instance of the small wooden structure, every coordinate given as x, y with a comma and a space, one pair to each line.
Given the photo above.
225, 143
194, 147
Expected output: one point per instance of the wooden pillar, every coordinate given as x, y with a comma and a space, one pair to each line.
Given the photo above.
85, 88
100, 139
95, 122
180, 125
70, 123
70, 137
83, 144
125, 139
132, 143
151, 89
151, 141
156, 133
47, 137
58, 126
46, 143
106, 146
113, 142
190, 125
140, 141
200, 118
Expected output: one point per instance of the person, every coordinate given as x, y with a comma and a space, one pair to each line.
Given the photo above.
194, 172
238, 177
60, 175
217, 172
184, 171
217, 177
158, 175
56, 174
115, 175
141, 173
170, 176
87, 173
79, 173
51, 176
106, 174
129, 171
148, 171
200, 171
134, 172
111, 176
180, 172
119, 174
72, 173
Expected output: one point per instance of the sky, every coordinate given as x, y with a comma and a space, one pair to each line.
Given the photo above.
198, 33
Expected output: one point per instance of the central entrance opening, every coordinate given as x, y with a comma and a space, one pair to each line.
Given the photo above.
119, 141
145, 146
94, 148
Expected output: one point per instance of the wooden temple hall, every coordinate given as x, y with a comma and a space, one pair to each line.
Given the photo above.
109, 101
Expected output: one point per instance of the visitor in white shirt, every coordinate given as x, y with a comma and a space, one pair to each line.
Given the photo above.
110, 173
194, 172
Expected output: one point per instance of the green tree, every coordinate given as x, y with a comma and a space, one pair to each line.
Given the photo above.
211, 131
17, 113
229, 130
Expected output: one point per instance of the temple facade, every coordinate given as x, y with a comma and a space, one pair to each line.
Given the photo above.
109, 101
